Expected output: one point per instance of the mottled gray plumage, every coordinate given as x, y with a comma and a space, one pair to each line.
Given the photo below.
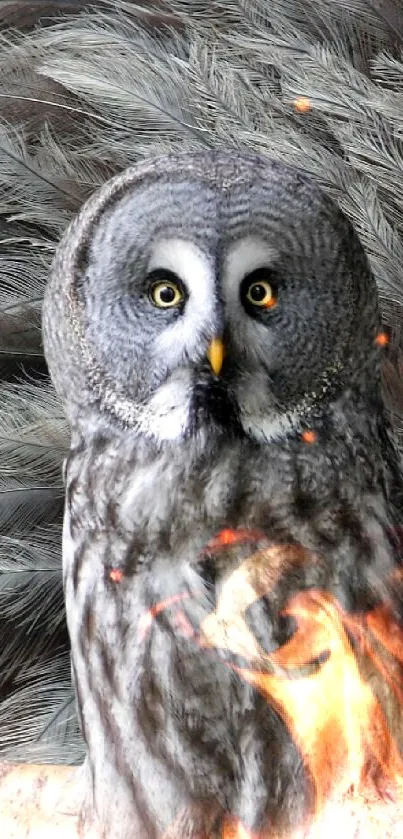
88, 89
165, 454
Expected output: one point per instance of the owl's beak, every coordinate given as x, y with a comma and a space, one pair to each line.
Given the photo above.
215, 355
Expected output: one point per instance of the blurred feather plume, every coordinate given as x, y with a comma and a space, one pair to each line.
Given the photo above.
87, 89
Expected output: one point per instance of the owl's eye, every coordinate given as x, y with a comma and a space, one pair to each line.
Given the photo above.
166, 293
257, 291
261, 294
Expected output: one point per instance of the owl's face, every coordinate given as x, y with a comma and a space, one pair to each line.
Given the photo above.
221, 291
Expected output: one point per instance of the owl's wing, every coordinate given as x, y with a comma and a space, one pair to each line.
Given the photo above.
90, 92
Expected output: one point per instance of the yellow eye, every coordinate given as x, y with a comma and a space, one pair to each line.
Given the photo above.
165, 295
260, 293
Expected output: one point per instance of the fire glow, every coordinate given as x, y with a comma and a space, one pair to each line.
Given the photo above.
343, 709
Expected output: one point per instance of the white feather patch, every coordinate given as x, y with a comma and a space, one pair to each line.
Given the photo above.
166, 416
188, 337
245, 256
270, 428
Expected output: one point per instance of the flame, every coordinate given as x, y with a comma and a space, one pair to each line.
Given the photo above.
336, 683
234, 829
343, 725
302, 104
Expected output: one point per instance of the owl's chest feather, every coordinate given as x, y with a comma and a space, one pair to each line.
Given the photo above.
177, 499
140, 510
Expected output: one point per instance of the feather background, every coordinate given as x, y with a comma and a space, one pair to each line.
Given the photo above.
87, 89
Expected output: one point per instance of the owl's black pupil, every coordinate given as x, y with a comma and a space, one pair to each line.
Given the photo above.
167, 294
258, 292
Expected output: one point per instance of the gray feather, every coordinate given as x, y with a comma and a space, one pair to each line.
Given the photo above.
81, 99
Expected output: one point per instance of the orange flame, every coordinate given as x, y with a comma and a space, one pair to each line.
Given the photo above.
234, 829
337, 683
382, 339
343, 725
302, 104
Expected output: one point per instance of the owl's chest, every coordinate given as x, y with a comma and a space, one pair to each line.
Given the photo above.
173, 505
151, 515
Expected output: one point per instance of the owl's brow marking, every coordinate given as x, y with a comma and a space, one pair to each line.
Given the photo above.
244, 257
196, 271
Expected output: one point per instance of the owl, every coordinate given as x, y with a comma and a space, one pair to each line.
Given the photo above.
212, 329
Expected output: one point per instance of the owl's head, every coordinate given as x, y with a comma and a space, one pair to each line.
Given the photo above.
210, 290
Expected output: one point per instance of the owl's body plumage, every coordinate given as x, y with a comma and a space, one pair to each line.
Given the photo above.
167, 453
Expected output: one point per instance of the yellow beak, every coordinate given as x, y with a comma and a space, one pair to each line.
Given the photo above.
215, 355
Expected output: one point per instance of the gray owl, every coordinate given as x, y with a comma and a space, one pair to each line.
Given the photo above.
211, 328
